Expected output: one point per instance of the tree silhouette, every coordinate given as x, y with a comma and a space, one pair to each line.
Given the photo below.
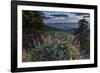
82, 37
32, 28
32, 20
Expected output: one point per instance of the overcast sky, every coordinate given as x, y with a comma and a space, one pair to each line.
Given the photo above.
70, 14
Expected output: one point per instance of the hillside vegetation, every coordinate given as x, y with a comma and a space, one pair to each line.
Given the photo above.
43, 44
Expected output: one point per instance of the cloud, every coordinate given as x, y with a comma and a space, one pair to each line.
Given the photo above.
70, 14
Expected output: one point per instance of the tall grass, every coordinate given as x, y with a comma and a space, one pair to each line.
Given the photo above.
55, 46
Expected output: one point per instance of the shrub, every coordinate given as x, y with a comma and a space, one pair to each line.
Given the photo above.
55, 51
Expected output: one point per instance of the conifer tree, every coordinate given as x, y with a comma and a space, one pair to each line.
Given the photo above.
32, 27
82, 37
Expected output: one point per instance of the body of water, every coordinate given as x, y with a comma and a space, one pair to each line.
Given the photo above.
63, 26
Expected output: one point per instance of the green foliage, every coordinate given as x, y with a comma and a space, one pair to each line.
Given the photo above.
56, 49
32, 20
83, 36
32, 25
26, 56
73, 52
45, 46
55, 52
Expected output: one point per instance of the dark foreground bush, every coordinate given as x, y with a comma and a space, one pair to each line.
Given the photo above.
55, 51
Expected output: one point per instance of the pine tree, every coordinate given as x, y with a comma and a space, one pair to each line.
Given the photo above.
82, 37
32, 28
32, 20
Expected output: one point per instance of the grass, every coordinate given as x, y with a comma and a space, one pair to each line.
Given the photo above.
57, 46
26, 56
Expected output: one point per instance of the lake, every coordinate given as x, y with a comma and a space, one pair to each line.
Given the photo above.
63, 26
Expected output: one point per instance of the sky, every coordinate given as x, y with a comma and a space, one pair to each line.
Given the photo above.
69, 14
